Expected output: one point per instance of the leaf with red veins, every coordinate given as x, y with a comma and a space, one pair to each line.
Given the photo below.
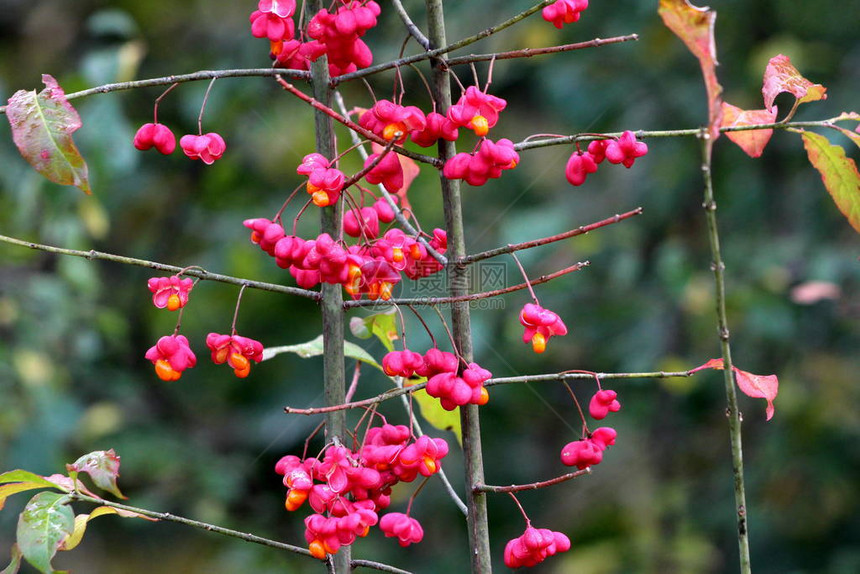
781, 76
695, 27
103, 468
755, 386
42, 127
839, 174
752, 142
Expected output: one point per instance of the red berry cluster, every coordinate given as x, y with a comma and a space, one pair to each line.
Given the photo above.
588, 451
371, 267
563, 12
347, 489
533, 546
444, 380
491, 159
236, 351
324, 182
171, 355
624, 150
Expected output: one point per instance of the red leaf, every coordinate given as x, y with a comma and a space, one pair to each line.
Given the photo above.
103, 468
42, 126
695, 27
839, 174
758, 387
752, 142
781, 76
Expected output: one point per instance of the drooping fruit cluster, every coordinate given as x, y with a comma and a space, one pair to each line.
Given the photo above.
624, 150
533, 546
563, 12
347, 489
172, 354
540, 324
156, 136
236, 351
452, 387
588, 451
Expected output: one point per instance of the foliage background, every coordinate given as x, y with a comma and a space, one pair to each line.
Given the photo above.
73, 333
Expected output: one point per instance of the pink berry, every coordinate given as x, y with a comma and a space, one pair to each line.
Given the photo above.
207, 148
158, 136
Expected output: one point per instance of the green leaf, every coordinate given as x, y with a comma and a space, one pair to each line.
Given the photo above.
15, 564
383, 325
42, 126
103, 468
43, 525
433, 412
839, 174
314, 348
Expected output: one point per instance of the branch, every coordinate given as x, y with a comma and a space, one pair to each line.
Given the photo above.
181, 78
529, 52
377, 566
643, 134
439, 51
564, 376
166, 516
732, 412
426, 301
581, 230
317, 105
532, 485
567, 376
193, 272
410, 25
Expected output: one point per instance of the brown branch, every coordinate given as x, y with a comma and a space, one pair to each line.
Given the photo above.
530, 52
531, 485
581, 230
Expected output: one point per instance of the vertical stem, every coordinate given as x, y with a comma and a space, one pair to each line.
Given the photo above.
334, 378
476, 501
732, 413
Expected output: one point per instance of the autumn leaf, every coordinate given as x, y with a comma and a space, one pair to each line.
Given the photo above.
695, 27
103, 468
752, 142
42, 127
755, 386
81, 521
781, 76
839, 174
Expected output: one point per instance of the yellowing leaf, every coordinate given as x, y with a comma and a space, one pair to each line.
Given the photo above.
752, 142
695, 27
82, 520
839, 174
42, 126
15, 564
781, 76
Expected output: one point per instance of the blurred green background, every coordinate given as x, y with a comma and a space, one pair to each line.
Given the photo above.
73, 333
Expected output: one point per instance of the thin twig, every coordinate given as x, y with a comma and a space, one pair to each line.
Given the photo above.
581, 230
198, 272
410, 25
464, 298
440, 51
532, 485
529, 52
168, 517
377, 566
